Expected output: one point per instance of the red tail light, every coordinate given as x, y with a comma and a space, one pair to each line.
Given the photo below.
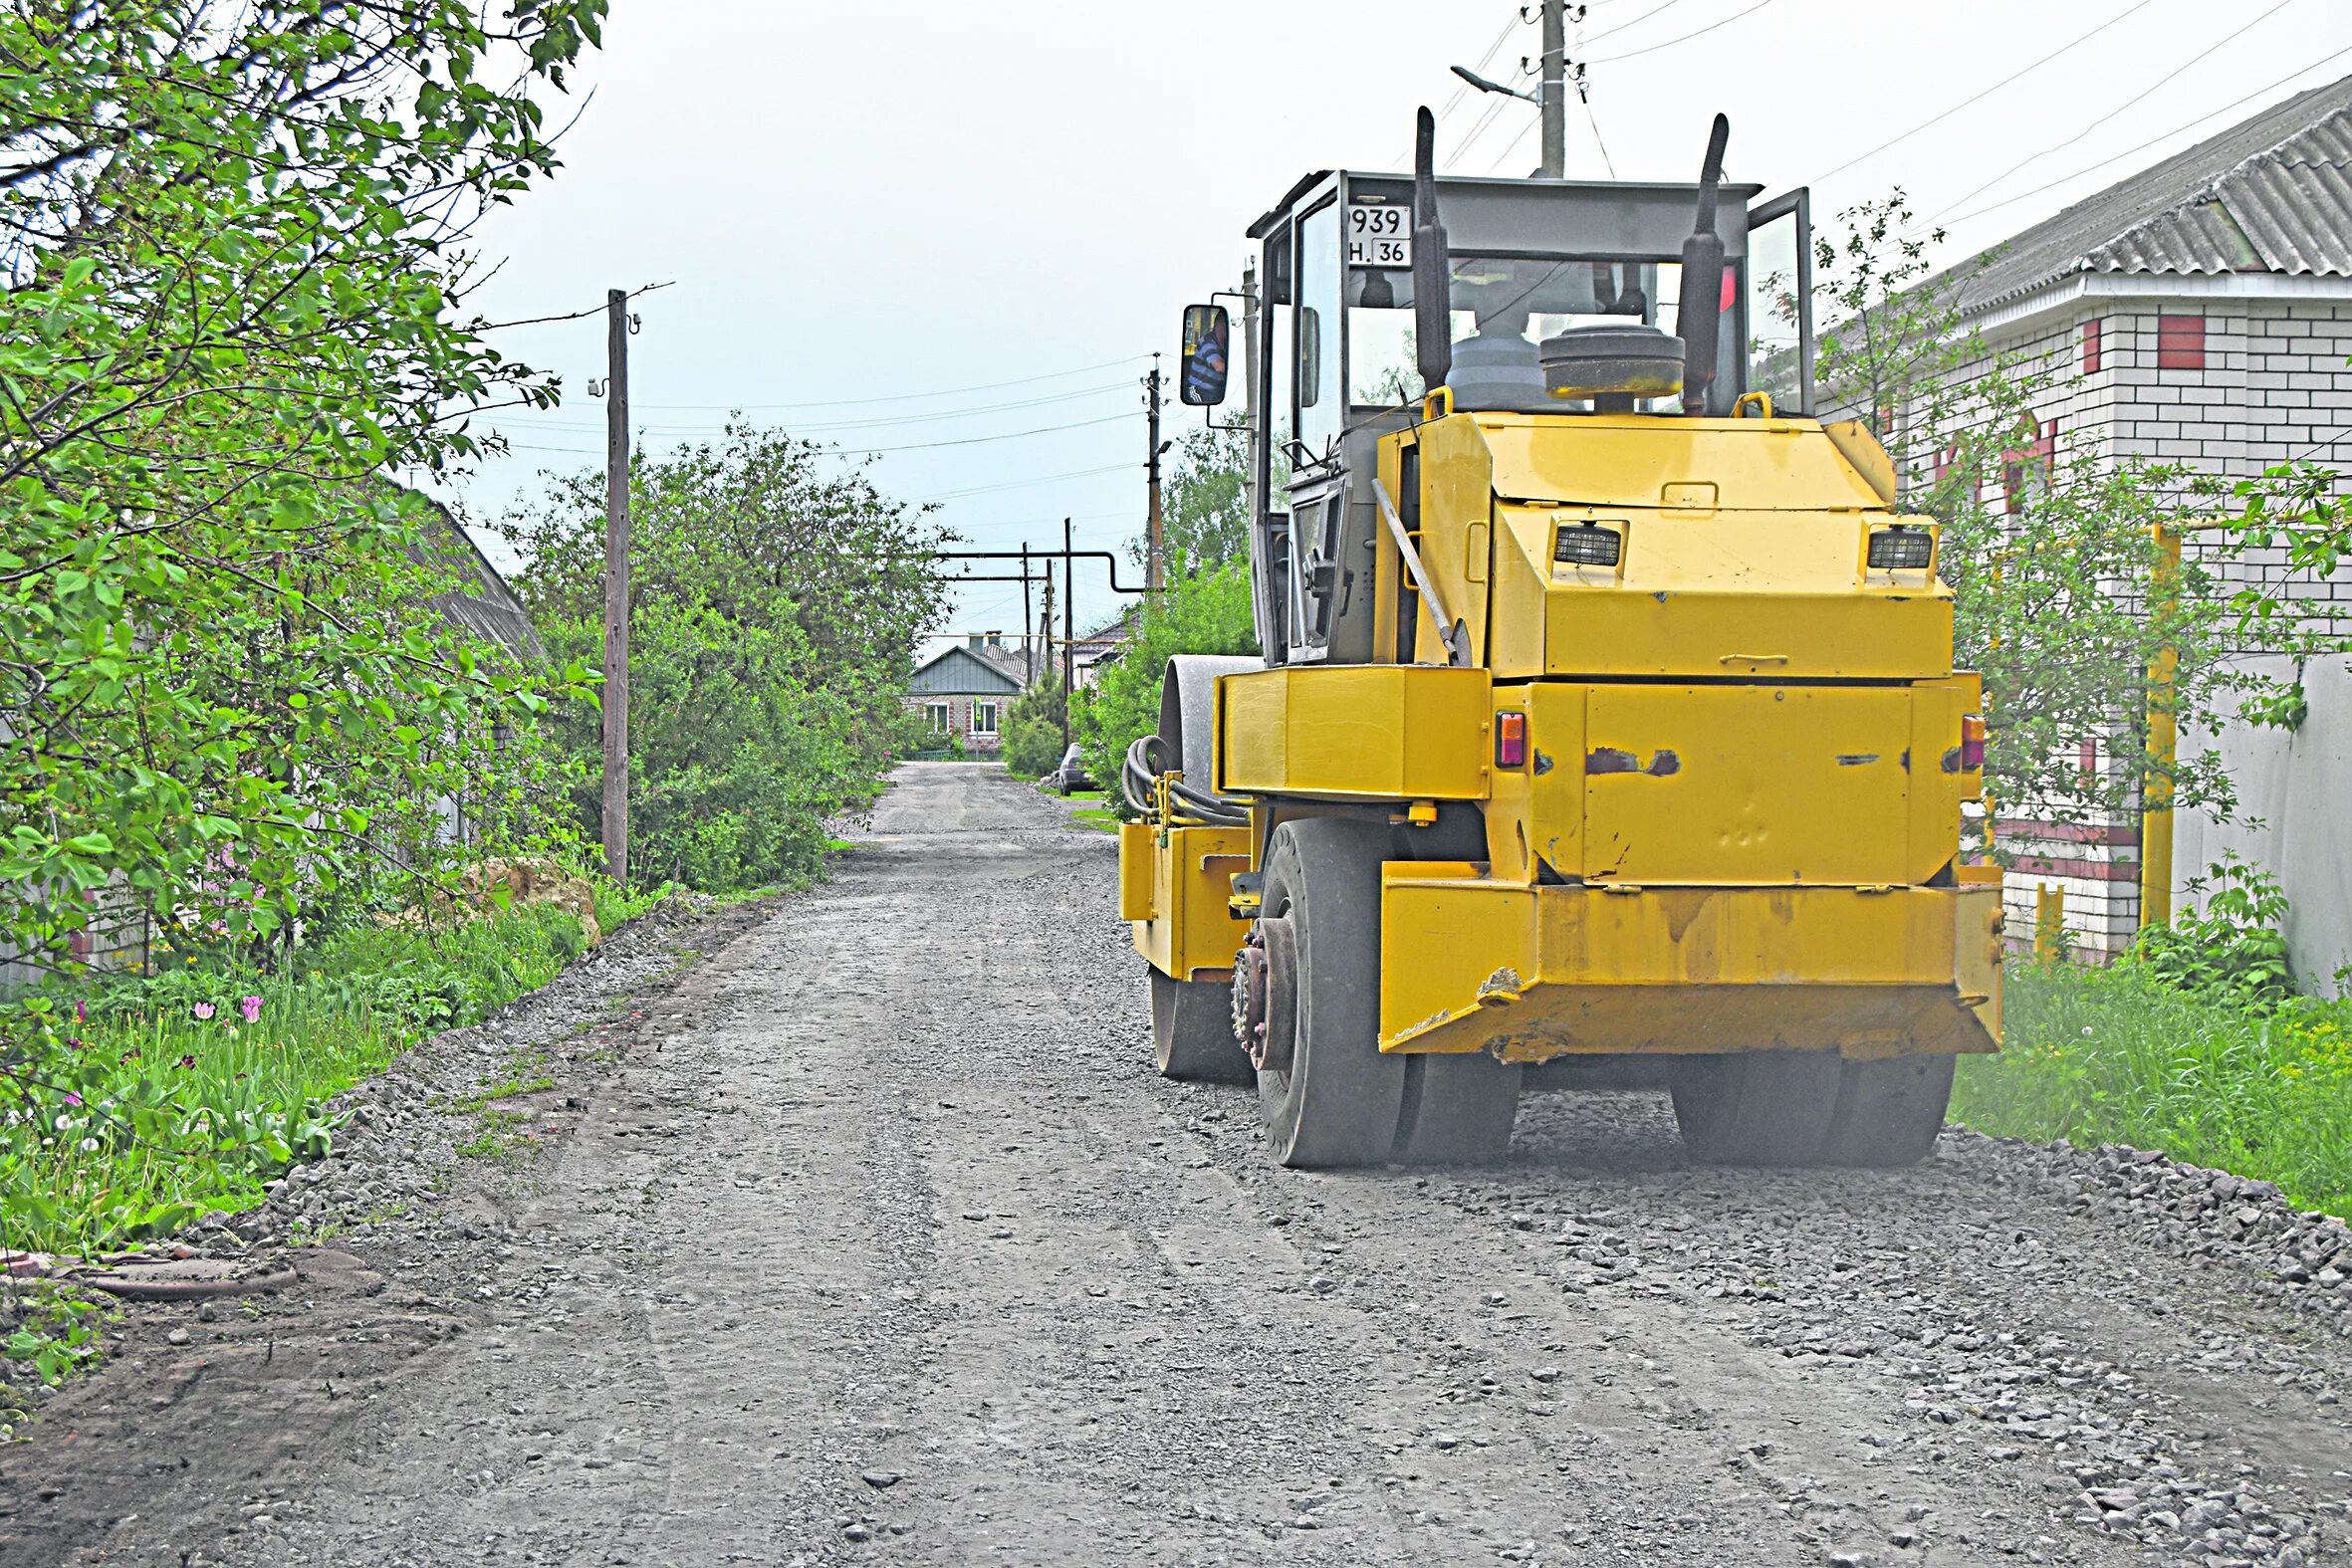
1972, 742
1511, 740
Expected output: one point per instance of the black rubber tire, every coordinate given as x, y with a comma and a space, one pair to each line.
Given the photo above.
1888, 1113
1192, 1032
1336, 1103
1765, 1107
1458, 1110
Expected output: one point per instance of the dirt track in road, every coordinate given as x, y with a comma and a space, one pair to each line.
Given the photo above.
881, 1243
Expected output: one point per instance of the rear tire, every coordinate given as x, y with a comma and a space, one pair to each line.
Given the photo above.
1192, 1032
1758, 1107
1336, 1102
1458, 1109
1888, 1113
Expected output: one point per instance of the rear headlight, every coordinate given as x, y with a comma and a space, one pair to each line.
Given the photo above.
1900, 548
1583, 545
1511, 740
1972, 743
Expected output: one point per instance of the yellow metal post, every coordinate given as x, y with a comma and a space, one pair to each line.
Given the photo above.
2049, 923
2156, 788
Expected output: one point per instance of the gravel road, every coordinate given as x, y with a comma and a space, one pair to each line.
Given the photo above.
874, 1238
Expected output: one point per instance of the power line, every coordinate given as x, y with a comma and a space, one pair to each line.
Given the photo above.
1687, 37
2130, 10
2303, 70
2197, 59
1666, 5
926, 446
859, 424
1030, 483
913, 397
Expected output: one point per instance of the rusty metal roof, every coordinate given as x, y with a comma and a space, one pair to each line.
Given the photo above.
2272, 194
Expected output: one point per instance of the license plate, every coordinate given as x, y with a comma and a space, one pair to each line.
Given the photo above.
1380, 236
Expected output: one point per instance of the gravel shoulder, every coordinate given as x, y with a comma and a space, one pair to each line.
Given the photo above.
870, 1236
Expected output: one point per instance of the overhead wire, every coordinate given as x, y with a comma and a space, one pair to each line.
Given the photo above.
934, 417
912, 397
2185, 125
2032, 66
1665, 5
2197, 59
1610, 60
919, 446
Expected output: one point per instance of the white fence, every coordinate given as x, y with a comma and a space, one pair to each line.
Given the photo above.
2294, 818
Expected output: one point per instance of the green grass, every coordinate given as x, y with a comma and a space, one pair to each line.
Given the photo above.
185, 1092
1101, 820
2118, 1055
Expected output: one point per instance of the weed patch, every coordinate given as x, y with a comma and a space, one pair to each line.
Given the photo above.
2218, 1077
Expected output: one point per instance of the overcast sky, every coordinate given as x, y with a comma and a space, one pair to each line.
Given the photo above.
891, 212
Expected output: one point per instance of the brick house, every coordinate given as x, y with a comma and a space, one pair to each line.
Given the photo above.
964, 690
2200, 313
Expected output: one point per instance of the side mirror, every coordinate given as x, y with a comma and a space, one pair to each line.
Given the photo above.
1208, 344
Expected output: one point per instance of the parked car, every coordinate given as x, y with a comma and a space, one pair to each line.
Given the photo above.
1072, 775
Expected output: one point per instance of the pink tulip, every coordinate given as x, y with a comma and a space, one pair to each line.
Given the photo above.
250, 1007
204, 1009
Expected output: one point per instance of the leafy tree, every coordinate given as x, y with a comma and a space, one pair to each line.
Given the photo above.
2051, 552
776, 606
1202, 612
1205, 511
1032, 727
230, 297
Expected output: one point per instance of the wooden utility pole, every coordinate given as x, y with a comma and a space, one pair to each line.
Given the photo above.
1028, 629
616, 585
1045, 630
1070, 623
1153, 573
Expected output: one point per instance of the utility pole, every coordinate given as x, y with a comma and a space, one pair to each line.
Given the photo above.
1554, 101
1070, 624
1028, 629
1250, 384
1045, 630
1154, 571
616, 585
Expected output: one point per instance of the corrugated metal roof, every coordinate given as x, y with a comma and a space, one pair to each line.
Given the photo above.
966, 672
2272, 193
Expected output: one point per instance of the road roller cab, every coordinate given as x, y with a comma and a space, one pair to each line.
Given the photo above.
1608, 714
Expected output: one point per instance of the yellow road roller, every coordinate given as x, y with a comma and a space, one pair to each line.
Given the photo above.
1606, 729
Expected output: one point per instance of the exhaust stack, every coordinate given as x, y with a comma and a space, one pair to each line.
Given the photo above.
1699, 320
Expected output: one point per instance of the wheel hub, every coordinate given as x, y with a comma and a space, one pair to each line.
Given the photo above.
1265, 994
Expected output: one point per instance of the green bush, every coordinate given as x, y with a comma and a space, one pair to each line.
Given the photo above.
1032, 727
778, 603
2235, 947
1203, 613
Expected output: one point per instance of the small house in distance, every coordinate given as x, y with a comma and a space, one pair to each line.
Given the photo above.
963, 691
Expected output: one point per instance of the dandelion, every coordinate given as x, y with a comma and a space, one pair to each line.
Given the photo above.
205, 1009
250, 1007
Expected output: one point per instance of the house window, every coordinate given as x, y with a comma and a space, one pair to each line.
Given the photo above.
938, 716
2025, 470
984, 718
2180, 342
2090, 348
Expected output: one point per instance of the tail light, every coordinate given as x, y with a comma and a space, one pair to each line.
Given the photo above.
1972, 743
1511, 740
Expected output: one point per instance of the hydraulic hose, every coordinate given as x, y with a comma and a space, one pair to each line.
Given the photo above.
1190, 806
